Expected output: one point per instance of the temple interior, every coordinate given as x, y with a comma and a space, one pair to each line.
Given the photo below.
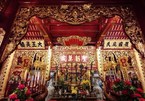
73, 50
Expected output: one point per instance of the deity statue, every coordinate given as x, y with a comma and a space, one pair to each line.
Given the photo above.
118, 71
66, 72
135, 81
74, 92
98, 87
129, 61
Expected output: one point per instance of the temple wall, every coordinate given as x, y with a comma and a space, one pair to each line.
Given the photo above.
140, 68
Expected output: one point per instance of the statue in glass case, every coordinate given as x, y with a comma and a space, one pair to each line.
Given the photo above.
98, 86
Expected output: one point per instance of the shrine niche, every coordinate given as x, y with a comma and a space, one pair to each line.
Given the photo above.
122, 61
70, 66
73, 63
118, 57
29, 66
121, 65
74, 71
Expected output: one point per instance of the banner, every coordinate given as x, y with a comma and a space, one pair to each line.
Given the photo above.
32, 44
72, 55
74, 58
117, 44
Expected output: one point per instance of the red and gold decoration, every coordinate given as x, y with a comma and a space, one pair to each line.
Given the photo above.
117, 44
31, 44
73, 41
72, 55
75, 14
119, 64
29, 66
128, 90
73, 63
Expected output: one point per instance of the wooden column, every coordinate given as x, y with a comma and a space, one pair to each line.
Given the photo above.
140, 68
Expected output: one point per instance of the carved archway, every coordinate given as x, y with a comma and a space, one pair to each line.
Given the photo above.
74, 14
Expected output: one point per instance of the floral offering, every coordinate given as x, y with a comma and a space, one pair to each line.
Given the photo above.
22, 93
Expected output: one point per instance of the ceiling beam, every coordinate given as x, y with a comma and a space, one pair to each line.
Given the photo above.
47, 36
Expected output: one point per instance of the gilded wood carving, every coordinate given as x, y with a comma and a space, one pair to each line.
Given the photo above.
75, 14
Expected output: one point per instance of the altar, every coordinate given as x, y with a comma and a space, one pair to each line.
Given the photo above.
80, 83
79, 96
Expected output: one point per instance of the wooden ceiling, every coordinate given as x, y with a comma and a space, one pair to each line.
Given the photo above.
99, 29
51, 29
